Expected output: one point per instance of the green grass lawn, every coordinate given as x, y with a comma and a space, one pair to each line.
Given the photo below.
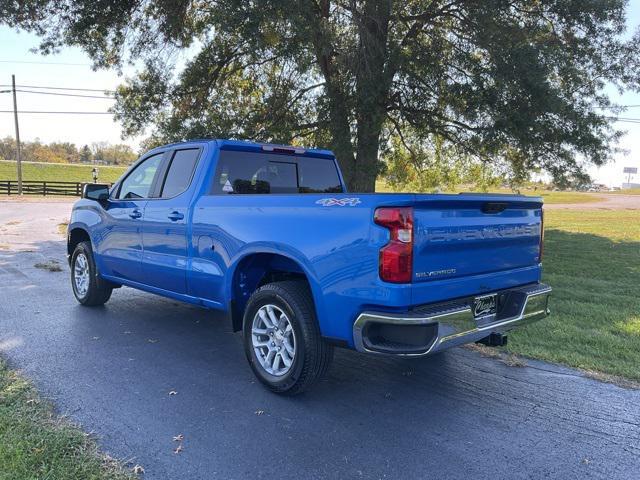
548, 196
630, 191
565, 197
60, 172
592, 261
35, 444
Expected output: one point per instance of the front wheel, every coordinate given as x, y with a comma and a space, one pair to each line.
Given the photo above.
89, 289
282, 339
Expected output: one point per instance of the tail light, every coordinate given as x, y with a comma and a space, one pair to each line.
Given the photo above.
396, 257
541, 235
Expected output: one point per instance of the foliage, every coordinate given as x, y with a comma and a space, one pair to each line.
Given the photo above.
120, 154
579, 180
513, 82
64, 152
433, 165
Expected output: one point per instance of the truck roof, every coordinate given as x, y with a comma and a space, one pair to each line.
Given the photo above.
250, 146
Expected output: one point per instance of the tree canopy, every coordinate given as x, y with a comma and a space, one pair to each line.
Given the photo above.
516, 85
65, 152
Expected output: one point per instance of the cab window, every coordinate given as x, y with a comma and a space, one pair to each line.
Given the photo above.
138, 183
241, 172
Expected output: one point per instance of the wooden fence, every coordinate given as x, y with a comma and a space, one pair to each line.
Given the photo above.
30, 187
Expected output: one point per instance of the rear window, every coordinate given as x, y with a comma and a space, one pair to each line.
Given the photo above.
249, 172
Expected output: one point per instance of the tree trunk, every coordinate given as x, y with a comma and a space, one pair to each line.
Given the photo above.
341, 134
339, 125
373, 81
372, 91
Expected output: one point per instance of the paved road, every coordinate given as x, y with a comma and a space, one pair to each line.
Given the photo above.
456, 415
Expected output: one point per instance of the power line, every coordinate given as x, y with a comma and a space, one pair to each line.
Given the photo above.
66, 94
63, 88
624, 119
46, 63
65, 112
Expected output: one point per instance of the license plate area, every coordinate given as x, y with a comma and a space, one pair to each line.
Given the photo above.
485, 306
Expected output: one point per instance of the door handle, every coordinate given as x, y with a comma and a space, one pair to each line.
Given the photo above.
135, 214
174, 216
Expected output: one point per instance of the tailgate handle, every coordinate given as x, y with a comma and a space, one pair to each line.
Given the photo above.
493, 207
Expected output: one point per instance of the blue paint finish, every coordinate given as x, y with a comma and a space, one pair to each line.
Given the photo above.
166, 234
221, 248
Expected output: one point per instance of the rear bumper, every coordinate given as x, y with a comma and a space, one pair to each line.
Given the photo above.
431, 328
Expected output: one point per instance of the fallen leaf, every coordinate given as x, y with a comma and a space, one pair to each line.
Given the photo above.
138, 470
178, 449
173, 392
178, 438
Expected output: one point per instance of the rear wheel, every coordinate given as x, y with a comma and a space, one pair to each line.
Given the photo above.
282, 340
88, 288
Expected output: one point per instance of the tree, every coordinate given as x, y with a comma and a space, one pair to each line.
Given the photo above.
7, 148
119, 154
509, 82
98, 151
430, 164
85, 154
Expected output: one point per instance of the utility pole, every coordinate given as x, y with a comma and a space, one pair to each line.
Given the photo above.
15, 117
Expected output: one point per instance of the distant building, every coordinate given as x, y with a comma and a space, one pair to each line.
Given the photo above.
626, 186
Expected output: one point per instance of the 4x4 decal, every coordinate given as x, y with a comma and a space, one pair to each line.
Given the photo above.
340, 202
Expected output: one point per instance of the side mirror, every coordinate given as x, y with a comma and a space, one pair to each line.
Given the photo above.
96, 191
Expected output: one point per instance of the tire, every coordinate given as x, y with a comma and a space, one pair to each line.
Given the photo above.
94, 290
311, 354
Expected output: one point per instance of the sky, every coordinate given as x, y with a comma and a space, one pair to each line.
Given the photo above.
71, 69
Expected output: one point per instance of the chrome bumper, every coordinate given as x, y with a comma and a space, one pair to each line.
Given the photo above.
432, 328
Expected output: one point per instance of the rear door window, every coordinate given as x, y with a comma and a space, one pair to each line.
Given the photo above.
250, 173
180, 172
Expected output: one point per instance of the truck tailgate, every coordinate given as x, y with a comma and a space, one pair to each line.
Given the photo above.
474, 234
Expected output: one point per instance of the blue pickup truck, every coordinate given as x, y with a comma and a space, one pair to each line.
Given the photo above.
270, 235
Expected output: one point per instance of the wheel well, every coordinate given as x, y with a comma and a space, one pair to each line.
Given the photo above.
76, 236
254, 271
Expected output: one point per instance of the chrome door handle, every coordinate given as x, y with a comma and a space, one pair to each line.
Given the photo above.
135, 214
174, 216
